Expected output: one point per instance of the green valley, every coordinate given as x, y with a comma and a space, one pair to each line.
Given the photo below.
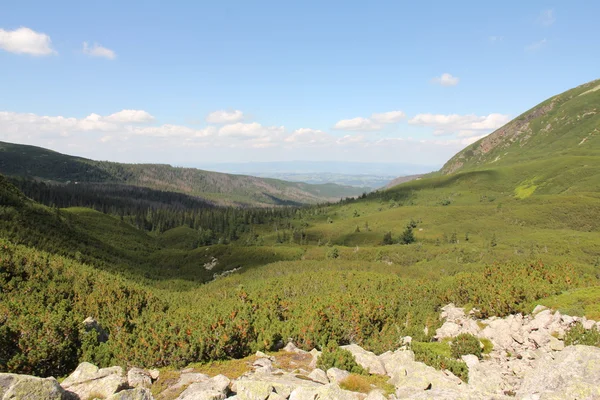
511, 221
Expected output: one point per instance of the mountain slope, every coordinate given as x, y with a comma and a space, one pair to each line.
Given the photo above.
36, 162
565, 125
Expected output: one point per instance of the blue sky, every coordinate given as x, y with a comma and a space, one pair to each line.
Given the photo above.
193, 82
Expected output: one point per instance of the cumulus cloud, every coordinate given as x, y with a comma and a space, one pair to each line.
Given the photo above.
224, 117
389, 117
305, 136
461, 125
98, 51
171, 131
446, 80
130, 116
357, 124
376, 122
547, 17
26, 41
251, 130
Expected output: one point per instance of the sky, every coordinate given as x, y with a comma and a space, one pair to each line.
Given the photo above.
192, 82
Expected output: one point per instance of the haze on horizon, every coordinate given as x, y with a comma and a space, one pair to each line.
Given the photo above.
190, 84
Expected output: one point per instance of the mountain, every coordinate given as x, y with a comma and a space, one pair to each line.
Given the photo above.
402, 179
219, 188
562, 131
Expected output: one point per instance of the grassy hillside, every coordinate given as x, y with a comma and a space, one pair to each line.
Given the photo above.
227, 189
566, 125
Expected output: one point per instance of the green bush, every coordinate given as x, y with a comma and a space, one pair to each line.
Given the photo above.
333, 253
464, 344
579, 335
434, 355
335, 357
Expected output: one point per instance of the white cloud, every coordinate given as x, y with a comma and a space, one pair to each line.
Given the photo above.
169, 131
130, 116
389, 117
535, 46
446, 80
462, 125
251, 130
26, 41
547, 17
224, 117
98, 51
357, 124
304, 136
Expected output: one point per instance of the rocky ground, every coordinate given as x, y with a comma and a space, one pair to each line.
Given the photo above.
529, 361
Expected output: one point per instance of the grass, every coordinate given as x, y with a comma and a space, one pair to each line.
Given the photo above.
367, 383
578, 302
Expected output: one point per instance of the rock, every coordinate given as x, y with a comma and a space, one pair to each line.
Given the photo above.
334, 392
318, 375
263, 365
303, 393
154, 374
337, 375
539, 308
555, 344
452, 313
366, 359
282, 384
87, 379
573, 373
132, 394
214, 389
421, 377
291, 348
448, 329
406, 340
395, 362
26, 387
139, 378
375, 395
249, 389
471, 360
276, 396
542, 320
540, 338
587, 323
315, 356
260, 354
326, 392
486, 377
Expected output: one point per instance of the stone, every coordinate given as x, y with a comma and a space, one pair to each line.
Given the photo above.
315, 357
249, 389
303, 393
132, 394
87, 379
139, 378
366, 359
318, 375
260, 354
26, 387
154, 374
263, 365
555, 344
448, 329
337, 375
375, 395
573, 373
291, 348
539, 308
421, 377
334, 392
394, 362
276, 396
452, 313
542, 320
